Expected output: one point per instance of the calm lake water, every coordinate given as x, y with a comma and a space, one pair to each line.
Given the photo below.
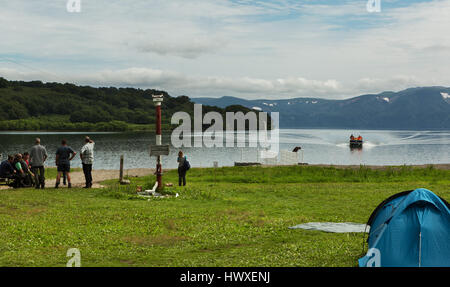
319, 147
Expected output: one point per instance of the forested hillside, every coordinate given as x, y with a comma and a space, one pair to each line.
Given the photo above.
53, 106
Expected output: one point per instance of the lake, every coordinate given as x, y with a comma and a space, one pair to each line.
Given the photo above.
320, 146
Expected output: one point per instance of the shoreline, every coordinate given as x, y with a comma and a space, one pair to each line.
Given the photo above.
100, 175
443, 166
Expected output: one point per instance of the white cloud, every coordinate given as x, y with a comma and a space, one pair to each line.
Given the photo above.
215, 48
187, 48
394, 83
178, 83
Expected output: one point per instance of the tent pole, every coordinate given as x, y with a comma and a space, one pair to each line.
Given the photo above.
420, 248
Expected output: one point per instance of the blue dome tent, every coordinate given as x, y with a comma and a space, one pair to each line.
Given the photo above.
409, 229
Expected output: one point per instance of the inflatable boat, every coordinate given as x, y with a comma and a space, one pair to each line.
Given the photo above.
356, 143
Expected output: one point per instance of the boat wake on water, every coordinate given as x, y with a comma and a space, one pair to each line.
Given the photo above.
366, 144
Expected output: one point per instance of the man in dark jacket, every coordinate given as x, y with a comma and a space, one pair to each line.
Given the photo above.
181, 168
64, 155
6, 168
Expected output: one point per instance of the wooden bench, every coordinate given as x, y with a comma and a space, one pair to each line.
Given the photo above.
5, 181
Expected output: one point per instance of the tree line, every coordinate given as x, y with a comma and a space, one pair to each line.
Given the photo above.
35, 105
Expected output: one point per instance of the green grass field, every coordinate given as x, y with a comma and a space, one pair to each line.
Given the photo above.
224, 217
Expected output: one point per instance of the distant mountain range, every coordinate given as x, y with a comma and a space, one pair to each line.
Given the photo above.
415, 108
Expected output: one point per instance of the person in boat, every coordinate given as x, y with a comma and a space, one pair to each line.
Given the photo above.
359, 138
352, 138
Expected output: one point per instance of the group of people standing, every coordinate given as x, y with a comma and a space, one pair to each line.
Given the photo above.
28, 169
64, 154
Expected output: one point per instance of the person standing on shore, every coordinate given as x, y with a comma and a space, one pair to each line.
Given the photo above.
38, 155
182, 168
87, 159
64, 155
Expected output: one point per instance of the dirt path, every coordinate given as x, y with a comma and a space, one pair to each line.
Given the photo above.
100, 175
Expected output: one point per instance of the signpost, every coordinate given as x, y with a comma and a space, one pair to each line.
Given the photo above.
157, 150
157, 99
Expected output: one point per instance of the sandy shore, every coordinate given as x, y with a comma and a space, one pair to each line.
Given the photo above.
100, 175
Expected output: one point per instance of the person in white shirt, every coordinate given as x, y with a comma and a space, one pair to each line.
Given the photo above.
87, 159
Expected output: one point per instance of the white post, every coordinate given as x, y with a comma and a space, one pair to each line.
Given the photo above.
157, 99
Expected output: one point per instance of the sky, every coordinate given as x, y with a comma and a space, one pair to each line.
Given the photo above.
213, 48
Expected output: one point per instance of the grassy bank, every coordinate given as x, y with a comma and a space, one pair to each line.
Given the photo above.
62, 123
224, 217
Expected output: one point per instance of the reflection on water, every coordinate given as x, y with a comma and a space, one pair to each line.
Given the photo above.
319, 147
